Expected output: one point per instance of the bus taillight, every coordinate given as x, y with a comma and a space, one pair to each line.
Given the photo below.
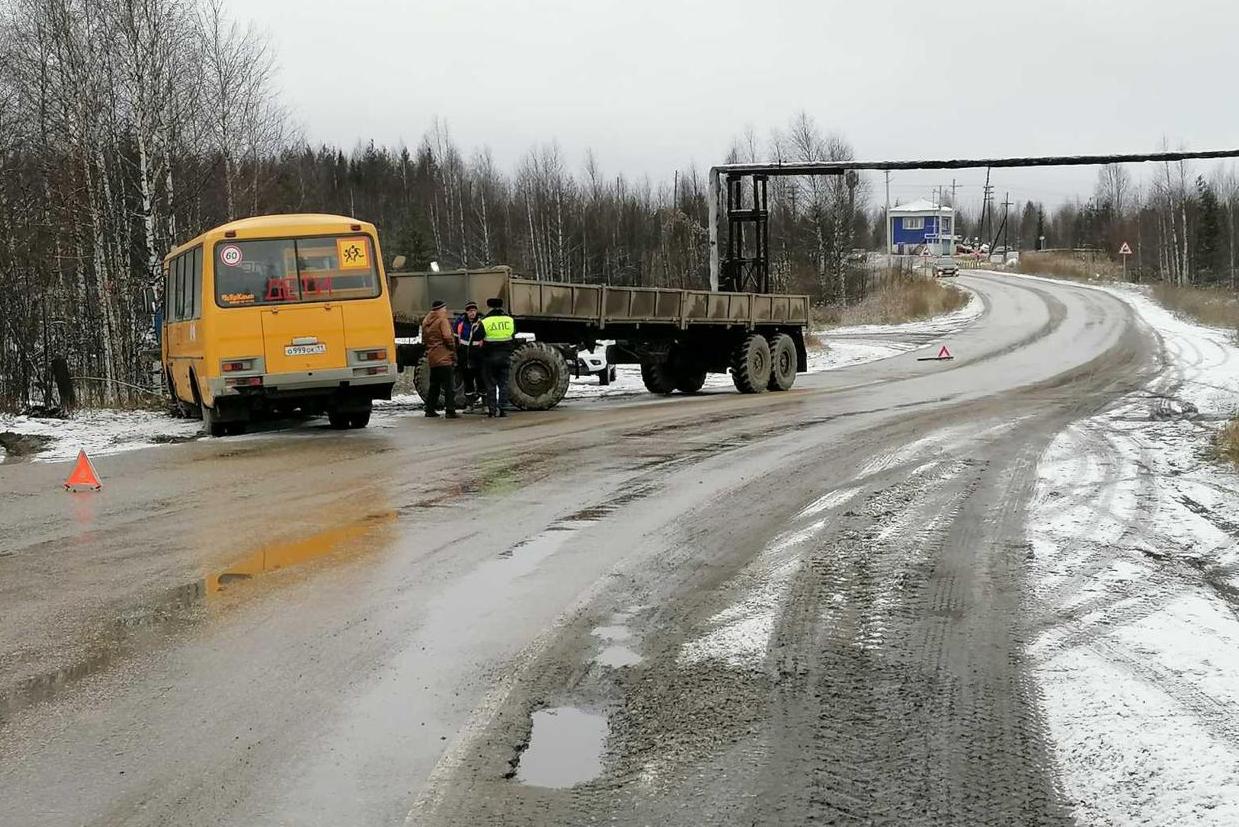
243, 381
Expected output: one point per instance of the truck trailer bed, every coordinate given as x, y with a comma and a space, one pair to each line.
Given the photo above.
600, 306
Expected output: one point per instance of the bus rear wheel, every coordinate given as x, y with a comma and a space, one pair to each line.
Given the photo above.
212, 423
349, 418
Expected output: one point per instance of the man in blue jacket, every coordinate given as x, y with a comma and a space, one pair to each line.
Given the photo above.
466, 329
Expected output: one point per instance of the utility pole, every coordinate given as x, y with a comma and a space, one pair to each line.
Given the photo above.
890, 246
1006, 206
985, 195
954, 217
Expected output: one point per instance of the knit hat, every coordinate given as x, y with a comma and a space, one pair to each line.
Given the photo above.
437, 305
471, 306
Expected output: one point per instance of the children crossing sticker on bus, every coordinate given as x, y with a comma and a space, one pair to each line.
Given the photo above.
352, 253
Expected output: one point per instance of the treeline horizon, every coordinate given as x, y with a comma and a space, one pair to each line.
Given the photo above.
130, 126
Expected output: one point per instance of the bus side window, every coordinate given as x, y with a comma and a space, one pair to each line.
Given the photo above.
166, 298
182, 312
196, 283
189, 285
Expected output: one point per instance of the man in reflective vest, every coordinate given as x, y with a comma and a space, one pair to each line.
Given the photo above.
497, 338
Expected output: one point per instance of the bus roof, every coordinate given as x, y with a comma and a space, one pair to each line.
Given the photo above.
292, 224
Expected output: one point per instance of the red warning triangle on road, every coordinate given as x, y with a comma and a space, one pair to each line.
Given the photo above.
944, 355
83, 474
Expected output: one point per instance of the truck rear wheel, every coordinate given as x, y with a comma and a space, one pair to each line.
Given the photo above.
658, 376
782, 362
690, 380
750, 364
538, 378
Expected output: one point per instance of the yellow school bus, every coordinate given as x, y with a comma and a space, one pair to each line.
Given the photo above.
276, 314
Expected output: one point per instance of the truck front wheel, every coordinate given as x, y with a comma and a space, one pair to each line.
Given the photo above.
539, 377
750, 364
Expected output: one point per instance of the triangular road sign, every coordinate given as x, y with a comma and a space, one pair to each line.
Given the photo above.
1125, 250
83, 474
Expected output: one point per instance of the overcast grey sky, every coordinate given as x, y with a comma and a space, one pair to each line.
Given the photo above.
652, 85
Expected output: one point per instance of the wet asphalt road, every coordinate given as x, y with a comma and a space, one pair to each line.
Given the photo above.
736, 609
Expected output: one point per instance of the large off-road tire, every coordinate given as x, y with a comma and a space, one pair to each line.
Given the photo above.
782, 362
538, 377
421, 383
658, 376
689, 379
750, 364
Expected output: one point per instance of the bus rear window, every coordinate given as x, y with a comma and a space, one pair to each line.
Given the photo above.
285, 271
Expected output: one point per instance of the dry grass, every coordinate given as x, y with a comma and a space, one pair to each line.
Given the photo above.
906, 300
1074, 266
1228, 442
1207, 305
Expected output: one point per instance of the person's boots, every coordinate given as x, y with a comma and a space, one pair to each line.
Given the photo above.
452, 415
431, 413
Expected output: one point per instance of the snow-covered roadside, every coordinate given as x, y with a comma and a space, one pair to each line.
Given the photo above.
1135, 563
98, 432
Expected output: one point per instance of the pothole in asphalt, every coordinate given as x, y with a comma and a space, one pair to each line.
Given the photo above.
565, 748
618, 657
612, 632
615, 655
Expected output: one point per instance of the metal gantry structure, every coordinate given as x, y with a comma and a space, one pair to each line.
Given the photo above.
745, 267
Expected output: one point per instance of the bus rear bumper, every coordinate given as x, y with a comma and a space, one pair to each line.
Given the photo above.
350, 382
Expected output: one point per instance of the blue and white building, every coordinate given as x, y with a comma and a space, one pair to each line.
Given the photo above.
919, 226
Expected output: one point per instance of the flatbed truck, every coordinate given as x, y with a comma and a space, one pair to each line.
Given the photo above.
676, 336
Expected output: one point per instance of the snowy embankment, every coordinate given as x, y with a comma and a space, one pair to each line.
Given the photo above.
1135, 563
106, 432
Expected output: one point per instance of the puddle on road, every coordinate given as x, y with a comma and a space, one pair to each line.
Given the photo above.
612, 632
147, 624
275, 556
565, 748
617, 657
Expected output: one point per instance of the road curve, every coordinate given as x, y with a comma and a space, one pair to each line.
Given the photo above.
819, 597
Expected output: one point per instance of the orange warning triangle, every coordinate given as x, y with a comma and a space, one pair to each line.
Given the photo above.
83, 473
944, 353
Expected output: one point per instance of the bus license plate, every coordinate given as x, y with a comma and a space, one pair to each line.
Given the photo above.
305, 350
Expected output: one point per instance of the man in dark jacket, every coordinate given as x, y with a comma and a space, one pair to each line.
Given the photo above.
441, 357
498, 339
467, 363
